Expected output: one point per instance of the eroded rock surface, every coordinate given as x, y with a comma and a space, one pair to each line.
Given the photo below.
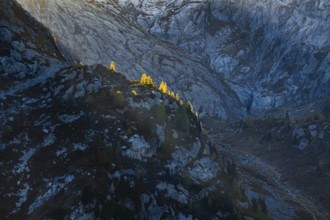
273, 54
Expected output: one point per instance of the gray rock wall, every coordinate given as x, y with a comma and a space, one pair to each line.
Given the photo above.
99, 33
273, 54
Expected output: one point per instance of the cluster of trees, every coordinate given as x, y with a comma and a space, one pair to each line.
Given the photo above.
163, 87
147, 80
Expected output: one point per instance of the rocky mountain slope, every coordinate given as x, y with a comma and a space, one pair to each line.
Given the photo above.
273, 54
84, 142
95, 34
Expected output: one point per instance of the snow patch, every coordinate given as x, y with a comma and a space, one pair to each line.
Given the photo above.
69, 118
49, 140
58, 184
23, 196
22, 166
42, 120
138, 142
79, 146
61, 152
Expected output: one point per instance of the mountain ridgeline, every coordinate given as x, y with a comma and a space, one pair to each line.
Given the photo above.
229, 58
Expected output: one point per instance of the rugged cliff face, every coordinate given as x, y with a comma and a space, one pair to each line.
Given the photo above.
96, 34
273, 54
287, 51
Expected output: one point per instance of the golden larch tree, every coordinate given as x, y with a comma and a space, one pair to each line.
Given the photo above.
143, 79
177, 97
146, 80
149, 81
163, 87
190, 106
112, 66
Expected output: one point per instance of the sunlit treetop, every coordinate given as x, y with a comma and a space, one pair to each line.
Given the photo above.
163, 87
112, 66
146, 80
